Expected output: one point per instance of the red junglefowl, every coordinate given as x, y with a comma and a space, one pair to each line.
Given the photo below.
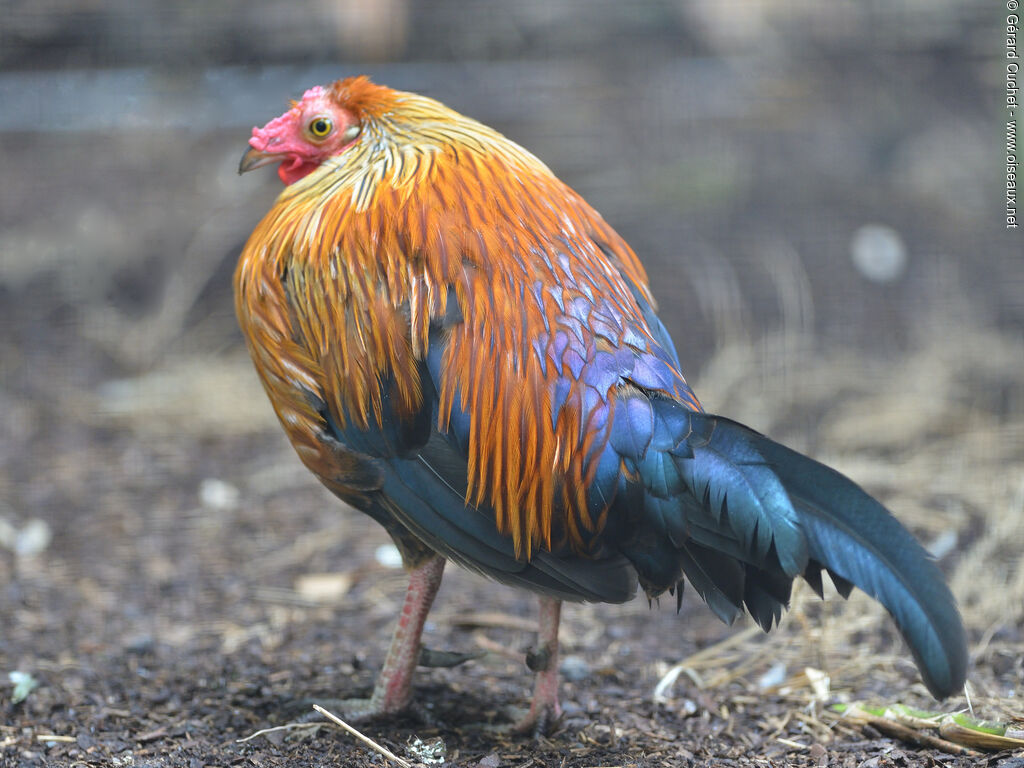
459, 346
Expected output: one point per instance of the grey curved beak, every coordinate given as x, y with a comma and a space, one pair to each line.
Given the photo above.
255, 158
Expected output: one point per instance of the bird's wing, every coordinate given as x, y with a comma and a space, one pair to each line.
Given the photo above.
415, 472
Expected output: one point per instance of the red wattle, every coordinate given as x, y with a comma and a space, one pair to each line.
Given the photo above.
295, 169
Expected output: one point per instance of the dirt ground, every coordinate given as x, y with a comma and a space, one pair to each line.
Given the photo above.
199, 587
175, 588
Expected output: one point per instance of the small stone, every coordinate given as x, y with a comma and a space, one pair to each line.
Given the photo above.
24, 684
388, 556
324, 588
85, 741
218, 494
818, 754
775, 676
574, 669
140, 643
571, 709
878, 253
33, 538
430, 752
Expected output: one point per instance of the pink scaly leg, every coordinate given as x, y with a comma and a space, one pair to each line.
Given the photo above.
544, 709
393, 690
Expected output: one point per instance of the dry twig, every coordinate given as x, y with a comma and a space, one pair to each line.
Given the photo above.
363, 738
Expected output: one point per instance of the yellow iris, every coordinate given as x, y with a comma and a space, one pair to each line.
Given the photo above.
320, 127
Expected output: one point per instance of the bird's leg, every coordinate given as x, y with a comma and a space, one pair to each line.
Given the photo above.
543, 660
393, 690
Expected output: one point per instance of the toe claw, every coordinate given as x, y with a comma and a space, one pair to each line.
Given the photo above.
431, 658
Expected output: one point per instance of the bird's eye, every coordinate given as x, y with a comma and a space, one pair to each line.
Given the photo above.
320, 127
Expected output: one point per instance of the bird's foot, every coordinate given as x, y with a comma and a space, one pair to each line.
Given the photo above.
349, 710
431, 658
360, 710
540, 720
544, 713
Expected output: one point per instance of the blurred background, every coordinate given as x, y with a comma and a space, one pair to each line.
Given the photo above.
816, 189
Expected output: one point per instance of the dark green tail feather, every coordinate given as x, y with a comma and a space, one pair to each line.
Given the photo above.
854, 538
745, 516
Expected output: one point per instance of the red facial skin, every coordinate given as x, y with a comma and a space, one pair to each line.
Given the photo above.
290, 138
